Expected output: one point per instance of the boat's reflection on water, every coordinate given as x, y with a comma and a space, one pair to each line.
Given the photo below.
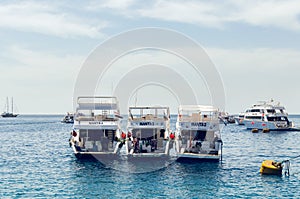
142, 164
130, 164
198, 167
135, 174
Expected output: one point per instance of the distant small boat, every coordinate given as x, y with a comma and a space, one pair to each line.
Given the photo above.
229, 119
7, 113
69, 118
240, 119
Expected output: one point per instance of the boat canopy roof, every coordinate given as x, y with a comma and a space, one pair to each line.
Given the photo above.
265, 107
156, 111
270, 103
148, 107
196, 108
97, 103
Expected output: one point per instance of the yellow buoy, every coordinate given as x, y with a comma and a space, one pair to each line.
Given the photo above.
271, 167
254, 130
266, 130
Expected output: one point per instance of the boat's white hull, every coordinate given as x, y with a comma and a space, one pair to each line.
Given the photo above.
193, 157
101, 156
260, 125
239, 121
203, 155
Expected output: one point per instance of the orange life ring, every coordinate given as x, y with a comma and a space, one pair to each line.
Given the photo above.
172, 136
123, 135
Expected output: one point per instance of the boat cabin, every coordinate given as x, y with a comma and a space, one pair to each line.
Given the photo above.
148, 129
96, 124
197, 130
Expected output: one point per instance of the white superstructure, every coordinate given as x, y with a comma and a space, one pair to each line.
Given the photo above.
96, 129
148, 131
267, 115
198, 133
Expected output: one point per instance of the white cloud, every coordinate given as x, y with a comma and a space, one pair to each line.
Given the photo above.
54, 19
111, 4
194, 12
282, 14
46, 19
121, 7
275, 13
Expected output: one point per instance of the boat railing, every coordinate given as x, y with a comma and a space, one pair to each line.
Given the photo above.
97, 106
197, 118
149, 113
96, 118
97, 99
149, 117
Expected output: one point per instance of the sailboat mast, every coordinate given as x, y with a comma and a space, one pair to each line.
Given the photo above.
7, 105
12, 104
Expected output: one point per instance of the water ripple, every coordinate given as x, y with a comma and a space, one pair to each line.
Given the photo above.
36, 162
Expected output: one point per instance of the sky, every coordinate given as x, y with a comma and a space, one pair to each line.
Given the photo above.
255, 46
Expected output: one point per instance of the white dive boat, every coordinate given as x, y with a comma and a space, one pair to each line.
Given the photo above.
240, 119
96, 129
69, 118
197, 135
148, 132
267, 115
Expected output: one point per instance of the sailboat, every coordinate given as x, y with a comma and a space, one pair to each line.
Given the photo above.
7, 113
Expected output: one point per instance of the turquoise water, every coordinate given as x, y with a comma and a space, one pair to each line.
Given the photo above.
37, 162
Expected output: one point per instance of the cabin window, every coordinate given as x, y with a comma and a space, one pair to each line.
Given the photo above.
271, 111
110, 134
254, 117
94, 135
82, 133
200, 135
187, 135
145, 134
255, 110
276, 119
162, 133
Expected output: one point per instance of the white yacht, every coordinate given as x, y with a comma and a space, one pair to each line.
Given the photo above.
96, 130
148, 142
198, 135
148, 131
267, 115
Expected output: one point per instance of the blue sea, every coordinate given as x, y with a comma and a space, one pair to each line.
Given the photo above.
37, 162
